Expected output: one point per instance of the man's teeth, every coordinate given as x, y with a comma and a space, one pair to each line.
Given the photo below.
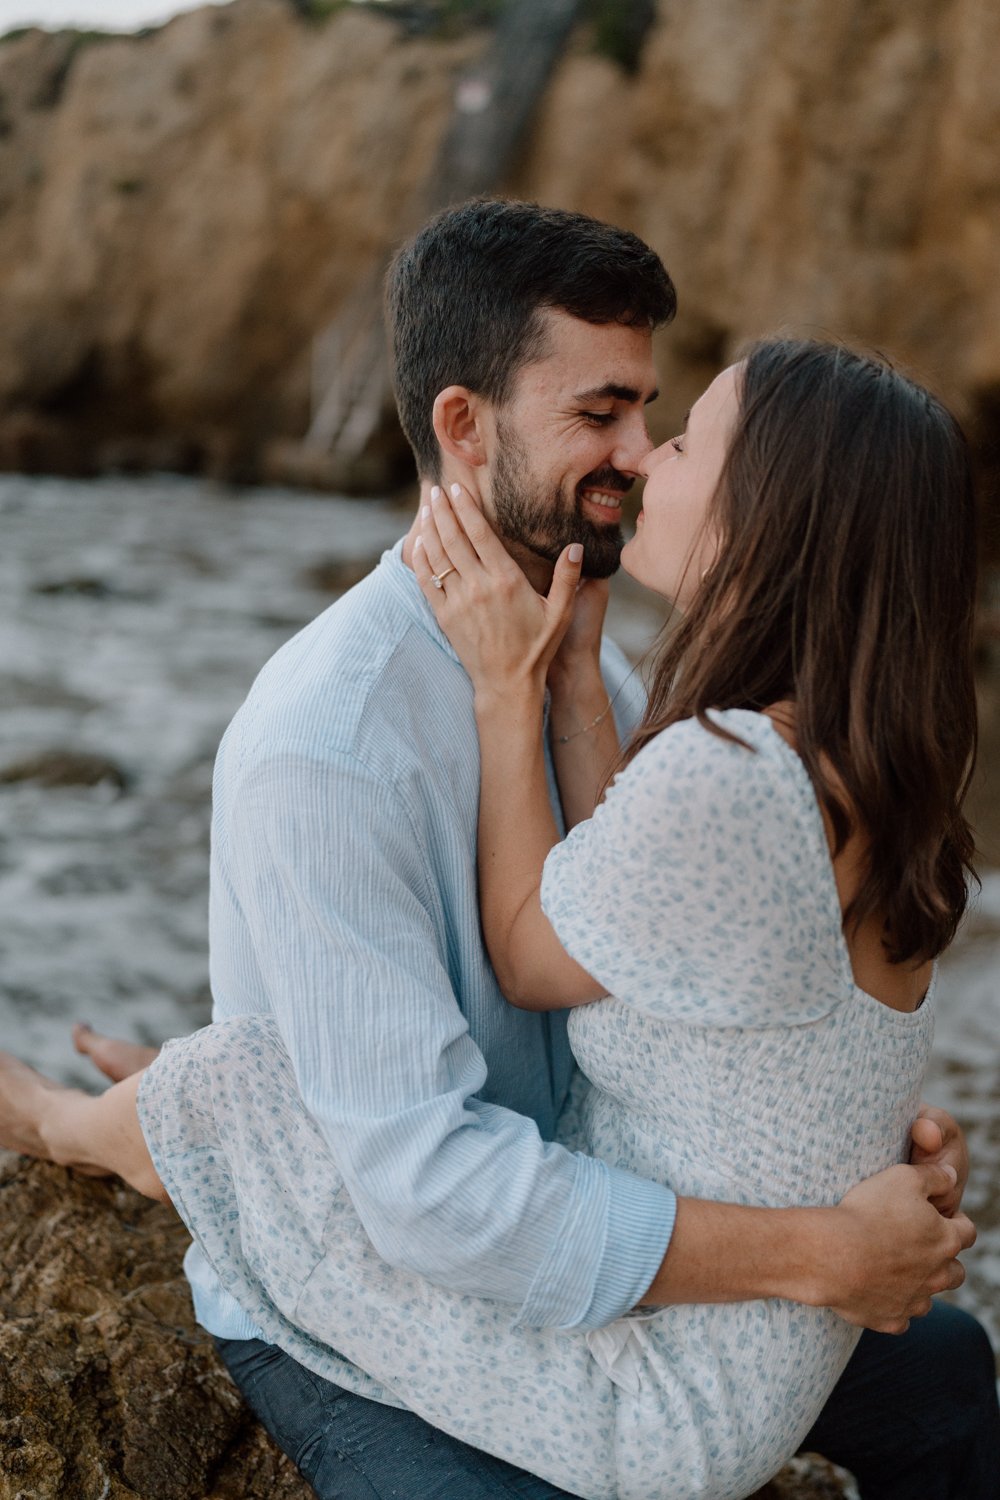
598, 497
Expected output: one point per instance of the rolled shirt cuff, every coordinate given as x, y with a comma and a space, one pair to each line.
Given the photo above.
607, 1252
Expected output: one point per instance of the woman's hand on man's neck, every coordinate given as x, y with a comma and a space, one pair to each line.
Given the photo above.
537, 570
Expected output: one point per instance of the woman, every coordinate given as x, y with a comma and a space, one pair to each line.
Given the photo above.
763, 891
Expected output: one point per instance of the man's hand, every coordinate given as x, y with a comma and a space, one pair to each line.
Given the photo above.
891, 1249
937, 1140
877, 1258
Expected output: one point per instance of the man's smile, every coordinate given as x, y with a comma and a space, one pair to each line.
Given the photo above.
601, 494
610, 506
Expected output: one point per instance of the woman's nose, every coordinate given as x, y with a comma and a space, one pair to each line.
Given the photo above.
652, 458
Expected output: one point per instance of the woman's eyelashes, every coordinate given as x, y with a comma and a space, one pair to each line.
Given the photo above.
677, 444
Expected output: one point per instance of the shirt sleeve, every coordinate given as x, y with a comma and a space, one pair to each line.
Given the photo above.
702, 888
335, 886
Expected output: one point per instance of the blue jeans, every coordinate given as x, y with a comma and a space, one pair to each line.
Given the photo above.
913, 1417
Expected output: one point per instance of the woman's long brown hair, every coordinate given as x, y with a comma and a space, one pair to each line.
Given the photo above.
845, 581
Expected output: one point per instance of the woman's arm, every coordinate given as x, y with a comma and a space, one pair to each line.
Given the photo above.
516, 832
506, 635
581, 718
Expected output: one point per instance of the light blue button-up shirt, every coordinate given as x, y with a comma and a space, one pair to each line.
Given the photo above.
344, 901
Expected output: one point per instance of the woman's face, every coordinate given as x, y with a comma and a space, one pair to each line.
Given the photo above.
672, 547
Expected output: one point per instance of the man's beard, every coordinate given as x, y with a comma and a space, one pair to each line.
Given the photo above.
538, 519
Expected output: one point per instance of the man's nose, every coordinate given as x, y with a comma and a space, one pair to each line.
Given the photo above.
634, 443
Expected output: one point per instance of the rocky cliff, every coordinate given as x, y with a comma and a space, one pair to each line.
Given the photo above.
180, 213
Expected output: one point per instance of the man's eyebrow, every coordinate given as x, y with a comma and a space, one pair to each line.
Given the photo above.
613, 392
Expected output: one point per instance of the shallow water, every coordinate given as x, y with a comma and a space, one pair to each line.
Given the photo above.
134, 614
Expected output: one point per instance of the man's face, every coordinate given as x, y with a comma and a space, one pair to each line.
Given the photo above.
569, 442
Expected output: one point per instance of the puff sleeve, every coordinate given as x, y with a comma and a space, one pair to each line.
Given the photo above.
702, 888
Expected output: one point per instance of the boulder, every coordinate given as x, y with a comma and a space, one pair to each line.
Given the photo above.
108, 1389
61, 768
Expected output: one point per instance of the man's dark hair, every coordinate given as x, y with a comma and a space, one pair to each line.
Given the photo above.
463, 299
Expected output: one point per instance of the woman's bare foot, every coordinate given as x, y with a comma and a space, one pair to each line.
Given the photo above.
115, 1058
100, 1136
26, 1097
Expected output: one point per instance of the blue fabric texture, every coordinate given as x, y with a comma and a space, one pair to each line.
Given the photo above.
344, 903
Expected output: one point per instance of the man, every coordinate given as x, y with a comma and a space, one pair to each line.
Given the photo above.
344, 902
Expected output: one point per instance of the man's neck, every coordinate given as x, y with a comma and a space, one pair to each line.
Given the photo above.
537, 570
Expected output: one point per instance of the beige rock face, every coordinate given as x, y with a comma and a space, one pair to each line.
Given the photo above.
185, 211
829, 168
181, 213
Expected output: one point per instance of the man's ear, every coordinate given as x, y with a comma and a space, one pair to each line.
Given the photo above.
458, 425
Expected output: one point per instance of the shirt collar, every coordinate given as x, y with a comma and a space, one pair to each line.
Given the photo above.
404, 585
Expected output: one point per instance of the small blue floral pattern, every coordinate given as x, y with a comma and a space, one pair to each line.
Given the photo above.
738, 1061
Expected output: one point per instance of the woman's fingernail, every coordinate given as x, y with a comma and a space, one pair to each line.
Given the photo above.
576, 553
418, 544
425, 514
436, 492
456, 490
